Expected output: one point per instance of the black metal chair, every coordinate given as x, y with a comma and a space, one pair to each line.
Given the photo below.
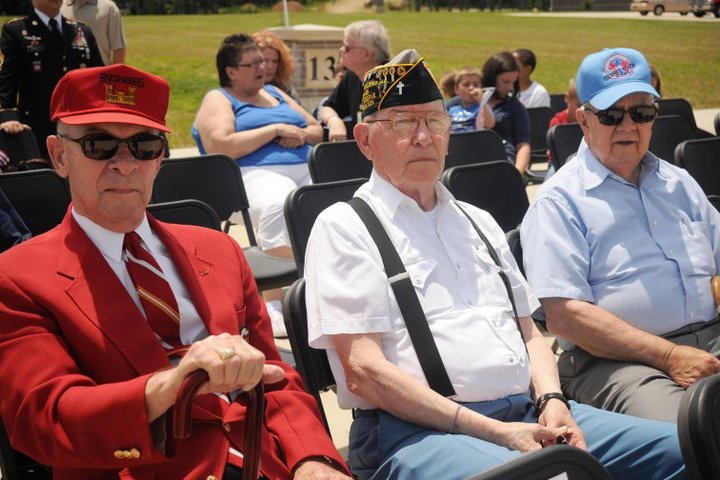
216, 181
311, 363
699, 429
563, 141
23, 151
474, 147
556, 462
701, 158
668, 132
539, 124
716, 124
305, 203
680, 106
333, 161
41, 197
186, 212
493, 186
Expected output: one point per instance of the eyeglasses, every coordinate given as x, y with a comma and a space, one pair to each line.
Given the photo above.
614, 116
256, 64
103, 146
405, 123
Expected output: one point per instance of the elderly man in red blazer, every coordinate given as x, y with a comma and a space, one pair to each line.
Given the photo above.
87, 383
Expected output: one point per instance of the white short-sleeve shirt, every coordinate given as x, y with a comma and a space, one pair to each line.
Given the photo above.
464, 298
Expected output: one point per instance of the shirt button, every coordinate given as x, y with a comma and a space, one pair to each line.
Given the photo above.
211, 477
654, 223
511, 360
227, 427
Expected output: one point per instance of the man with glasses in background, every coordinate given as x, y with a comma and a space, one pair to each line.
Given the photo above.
104, 316
365, 46
622, 248
450, 377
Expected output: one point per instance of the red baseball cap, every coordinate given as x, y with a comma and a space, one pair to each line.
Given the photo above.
114, 94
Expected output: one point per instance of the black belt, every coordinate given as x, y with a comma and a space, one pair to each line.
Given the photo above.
360, 413
691, 328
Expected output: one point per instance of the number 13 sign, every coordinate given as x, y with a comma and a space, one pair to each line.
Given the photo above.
320, 67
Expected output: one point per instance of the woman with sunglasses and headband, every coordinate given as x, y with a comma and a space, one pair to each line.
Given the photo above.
268, 134
622, 248
511, 119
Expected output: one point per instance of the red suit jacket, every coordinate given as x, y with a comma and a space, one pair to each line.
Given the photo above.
76, 353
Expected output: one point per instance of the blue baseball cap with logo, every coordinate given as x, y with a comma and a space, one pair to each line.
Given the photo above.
605, 77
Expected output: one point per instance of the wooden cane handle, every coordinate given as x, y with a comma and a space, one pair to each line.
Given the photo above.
254, 401
715, 286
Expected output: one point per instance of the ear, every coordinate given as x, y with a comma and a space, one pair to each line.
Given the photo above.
581, 119
361, 132
56, 149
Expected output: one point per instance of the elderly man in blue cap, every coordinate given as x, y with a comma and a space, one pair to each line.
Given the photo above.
622, 248
439, 359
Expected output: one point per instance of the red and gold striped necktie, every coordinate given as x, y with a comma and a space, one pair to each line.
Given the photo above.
156, 296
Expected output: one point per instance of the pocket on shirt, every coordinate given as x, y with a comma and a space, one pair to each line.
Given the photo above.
433, 296
699, 246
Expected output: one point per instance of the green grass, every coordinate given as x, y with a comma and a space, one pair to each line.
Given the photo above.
182, 48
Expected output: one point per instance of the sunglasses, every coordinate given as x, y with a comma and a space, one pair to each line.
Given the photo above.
103, 146
405, 123
614, 116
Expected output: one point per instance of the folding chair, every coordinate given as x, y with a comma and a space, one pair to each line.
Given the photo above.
23, 151
305, 203
716, 124
668, 132
216, 181
699, 429
557, 102
474, 147
539, 123
563, 141
493, 186
556, 462
186, 212
312, 364
18, 466
333, 161
41, 197
680, 106
701, 158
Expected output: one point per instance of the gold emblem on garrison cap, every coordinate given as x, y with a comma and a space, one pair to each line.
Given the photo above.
404, 80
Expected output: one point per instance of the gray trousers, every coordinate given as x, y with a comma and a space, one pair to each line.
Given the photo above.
633, 388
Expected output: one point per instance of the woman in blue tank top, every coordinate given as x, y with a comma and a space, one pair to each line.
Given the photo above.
267, 133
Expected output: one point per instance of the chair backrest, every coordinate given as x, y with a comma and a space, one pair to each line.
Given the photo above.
556, 462
668, 132
715, 200
563, 141
17, 466
40, 197
678, 106
701, 158
305, 203
496, 187
311, 363
716, 123
539, 124
699, 428
474, 147
20, 147
557, 102
333, 161
214, 179
186, 212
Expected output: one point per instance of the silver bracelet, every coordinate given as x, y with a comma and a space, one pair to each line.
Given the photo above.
454, 419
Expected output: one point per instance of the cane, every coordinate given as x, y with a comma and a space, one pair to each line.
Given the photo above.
182, 419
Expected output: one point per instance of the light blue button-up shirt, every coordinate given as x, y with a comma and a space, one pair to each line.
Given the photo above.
646, 254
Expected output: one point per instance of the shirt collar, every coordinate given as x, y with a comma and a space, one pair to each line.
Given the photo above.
596, 172
108, 242
394, 198
46, 19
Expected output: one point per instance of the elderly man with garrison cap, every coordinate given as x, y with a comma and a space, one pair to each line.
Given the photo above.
104, 316
436, 352
623, 248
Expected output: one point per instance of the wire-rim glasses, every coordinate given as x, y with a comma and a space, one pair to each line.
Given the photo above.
406, 123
